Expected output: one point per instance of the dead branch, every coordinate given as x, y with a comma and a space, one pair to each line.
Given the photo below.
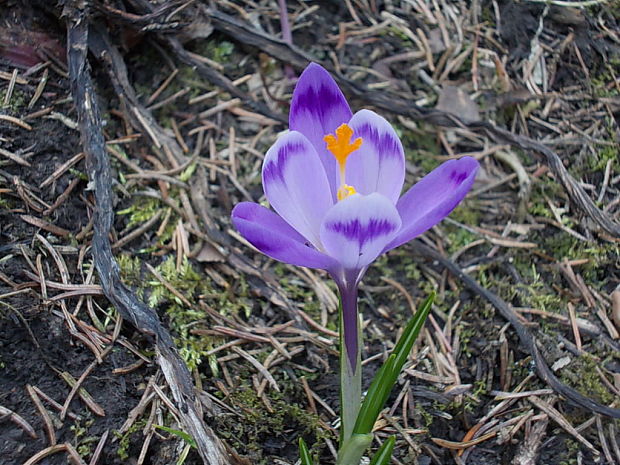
142, 317
148, 21
141, 119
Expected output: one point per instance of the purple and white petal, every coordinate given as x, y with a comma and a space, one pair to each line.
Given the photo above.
357, 229
318, 107
274, 237
379, 164
434, 197
296, 185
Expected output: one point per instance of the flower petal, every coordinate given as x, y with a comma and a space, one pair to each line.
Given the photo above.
379, 164
357, 229
296, 185
318, 107
434, 197
275, 238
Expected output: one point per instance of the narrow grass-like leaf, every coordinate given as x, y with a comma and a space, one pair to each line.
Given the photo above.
384, 454
386, 377
405, 343
182, 434
304, 454
366, 417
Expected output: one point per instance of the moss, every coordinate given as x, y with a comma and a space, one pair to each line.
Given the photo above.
467, 213
466, 334
600, 257
188, 172
542, 189
4, 203
130, 267
194, 286
18, 101
581, 374
426, 417
458, 237
600, 82
384, 264
419, 148
214, 49
190, 284
472, 401
79, 174
124, 439
534, 290
599, 160
298, 291
540, 208
82, 441
142, 210
217, 50
260, 425
569, 454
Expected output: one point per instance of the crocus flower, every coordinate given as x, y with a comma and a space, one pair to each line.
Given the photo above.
334, 181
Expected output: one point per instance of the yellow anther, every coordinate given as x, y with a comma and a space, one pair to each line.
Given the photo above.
345, 191
340, 145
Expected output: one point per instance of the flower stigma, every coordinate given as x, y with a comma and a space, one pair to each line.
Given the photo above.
341, 147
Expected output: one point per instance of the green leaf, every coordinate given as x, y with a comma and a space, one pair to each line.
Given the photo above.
304, 454
384, 454
405, 343
386, 377
372, 402
352, 451
182, 434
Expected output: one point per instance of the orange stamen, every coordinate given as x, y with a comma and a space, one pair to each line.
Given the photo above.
340, 145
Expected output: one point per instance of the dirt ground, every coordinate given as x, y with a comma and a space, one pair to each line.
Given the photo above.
192, 94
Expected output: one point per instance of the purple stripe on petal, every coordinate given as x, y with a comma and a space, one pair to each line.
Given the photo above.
321, 101
296, 185
275, 167
318, 107
275, 238
356, 229
434, 197
388, 145
379, 164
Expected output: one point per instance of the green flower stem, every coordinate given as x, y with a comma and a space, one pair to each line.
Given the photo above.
350, 384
